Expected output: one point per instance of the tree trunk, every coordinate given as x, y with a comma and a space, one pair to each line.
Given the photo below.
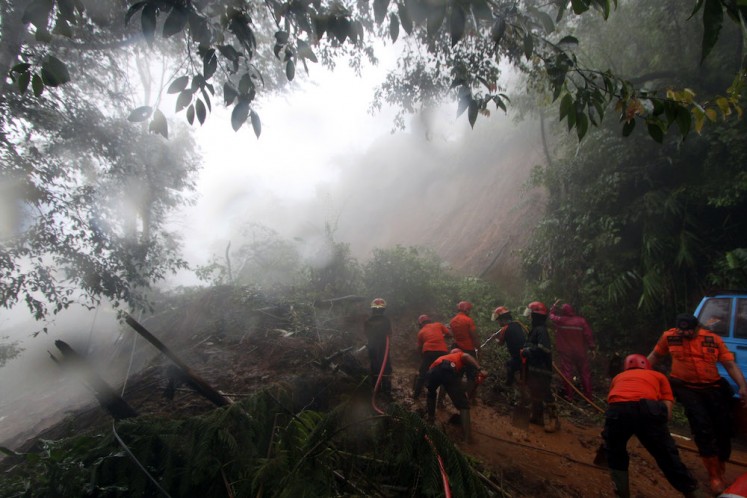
192, 379
108, 398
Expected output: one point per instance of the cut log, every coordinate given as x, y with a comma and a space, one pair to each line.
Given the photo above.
107, 397
193, 380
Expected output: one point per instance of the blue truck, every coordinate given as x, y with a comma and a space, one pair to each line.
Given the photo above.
726, 314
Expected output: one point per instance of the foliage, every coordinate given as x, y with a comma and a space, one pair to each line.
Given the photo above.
8, 350
640, 231
454, 45
85, 191
259, 446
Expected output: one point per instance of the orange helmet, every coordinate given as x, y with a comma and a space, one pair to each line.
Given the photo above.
500, 310
423, 319
378, 303
464, 306
536, 307
636, 361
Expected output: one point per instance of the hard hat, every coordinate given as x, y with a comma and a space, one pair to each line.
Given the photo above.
378, 303
500, 310
423, 319
465, 306
536, 307
455, 350
636, 361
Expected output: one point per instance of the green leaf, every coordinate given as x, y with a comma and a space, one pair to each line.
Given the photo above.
404, 18
380, 7
178, 84
54, 71
140, 114
655, 131
37, 85
568, 40
393, 27
579, 6
713, 17
201, 111
499, 103
133, 10
256, 124
472, 113
582, 125
684, 121
497, 30
565, 105
209, 64
290, 70
20, 68
148, 20
159, 124
239, 114
183, 100
175, 22
191, 114
435, 20
457, 22
544, 19
23, 81
305, 51
281, 37
463, 104
229, 94
528, 45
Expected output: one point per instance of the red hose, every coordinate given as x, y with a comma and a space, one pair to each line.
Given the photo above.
444, 475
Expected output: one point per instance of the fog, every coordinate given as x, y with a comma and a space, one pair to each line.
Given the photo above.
322, 160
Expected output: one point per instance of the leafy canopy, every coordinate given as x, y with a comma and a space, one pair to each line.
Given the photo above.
456, 45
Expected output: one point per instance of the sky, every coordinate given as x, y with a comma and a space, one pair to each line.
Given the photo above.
309, 135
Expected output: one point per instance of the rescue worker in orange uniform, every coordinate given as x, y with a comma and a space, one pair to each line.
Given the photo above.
446, 371
538, 354
377, 329
640, 404
432, 344
705, 395
464, 330
573, 342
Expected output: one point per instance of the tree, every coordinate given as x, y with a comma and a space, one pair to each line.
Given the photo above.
634, 228
86, 190
451, 44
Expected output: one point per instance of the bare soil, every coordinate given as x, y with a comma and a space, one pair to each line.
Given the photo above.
526, 463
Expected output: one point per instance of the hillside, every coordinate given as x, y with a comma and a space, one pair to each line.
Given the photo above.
240, 344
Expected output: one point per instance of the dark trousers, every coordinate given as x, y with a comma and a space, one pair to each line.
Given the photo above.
428, 358
376, 355
539, 385
708, 409
446, 376
647, 420
513, 365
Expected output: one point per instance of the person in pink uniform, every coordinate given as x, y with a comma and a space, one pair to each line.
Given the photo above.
573, 342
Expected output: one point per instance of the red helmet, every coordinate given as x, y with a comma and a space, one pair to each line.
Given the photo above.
378, 303
423, 319
499, 311
537, 307
464, 306
636, 361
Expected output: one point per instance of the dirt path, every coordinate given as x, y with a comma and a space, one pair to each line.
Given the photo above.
532, 463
